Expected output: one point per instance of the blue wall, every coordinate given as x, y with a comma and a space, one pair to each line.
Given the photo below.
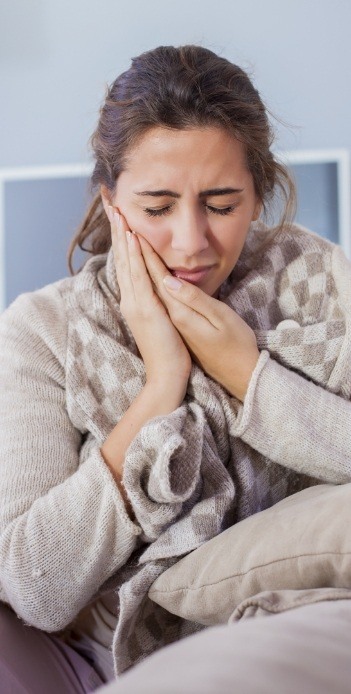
57, 55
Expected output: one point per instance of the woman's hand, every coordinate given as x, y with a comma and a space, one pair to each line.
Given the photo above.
166, 358
221, 342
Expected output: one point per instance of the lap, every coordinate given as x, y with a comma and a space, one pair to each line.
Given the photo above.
35, 662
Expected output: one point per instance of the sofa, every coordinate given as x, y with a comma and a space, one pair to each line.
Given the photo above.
274, 595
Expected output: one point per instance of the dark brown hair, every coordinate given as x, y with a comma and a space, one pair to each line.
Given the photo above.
179, 88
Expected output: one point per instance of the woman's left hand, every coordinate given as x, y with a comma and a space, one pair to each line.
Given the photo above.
220, 341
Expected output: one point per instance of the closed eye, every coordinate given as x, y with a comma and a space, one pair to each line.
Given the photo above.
159, 211
221, 210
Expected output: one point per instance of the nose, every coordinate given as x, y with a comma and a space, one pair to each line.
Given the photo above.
189, 234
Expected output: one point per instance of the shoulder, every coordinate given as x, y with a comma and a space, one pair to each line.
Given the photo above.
305, 269
292, 273
36, 324
294, 241
33, 328
305, 255
44, 311
271, 252
293, 249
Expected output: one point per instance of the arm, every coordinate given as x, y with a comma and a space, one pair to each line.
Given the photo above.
63, 525
152, 401
296, 423
304, 426
139, 452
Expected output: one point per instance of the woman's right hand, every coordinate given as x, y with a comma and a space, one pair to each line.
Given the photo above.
166, 358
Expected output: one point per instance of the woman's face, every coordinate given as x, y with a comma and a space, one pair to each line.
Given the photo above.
190, 195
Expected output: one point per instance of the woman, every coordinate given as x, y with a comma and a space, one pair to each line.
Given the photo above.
189, 375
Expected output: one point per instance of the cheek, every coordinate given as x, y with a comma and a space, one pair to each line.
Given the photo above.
145, 227
155, 238
155, 233
233, 242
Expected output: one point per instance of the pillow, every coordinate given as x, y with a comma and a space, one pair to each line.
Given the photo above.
302, 542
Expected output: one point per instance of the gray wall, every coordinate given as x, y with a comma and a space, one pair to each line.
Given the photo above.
57, 55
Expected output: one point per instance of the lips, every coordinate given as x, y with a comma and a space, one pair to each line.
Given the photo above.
193, 275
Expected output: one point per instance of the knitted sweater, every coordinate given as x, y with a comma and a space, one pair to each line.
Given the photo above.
69, 369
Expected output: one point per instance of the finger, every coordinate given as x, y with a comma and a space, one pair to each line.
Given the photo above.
119, 228
156, 268
153, 261
131, 271
194, 298
185, 314
142, 283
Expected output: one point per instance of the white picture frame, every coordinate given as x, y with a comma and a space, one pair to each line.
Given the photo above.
341, 158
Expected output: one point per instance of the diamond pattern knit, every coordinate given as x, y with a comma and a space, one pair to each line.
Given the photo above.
187, 474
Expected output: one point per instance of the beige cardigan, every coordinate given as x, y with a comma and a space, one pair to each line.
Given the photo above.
64, 530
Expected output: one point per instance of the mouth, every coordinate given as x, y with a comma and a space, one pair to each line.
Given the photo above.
194, 276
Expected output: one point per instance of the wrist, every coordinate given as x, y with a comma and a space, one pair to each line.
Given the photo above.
239, 379
166, 394
155, 399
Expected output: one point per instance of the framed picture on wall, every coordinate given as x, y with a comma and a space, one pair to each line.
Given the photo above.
323, 184
40, 210
42, 207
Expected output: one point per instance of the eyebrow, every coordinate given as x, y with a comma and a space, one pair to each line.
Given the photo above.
203, 193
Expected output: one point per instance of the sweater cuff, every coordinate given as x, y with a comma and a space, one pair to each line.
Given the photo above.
296, 423
162, 468
96, 461
245, 410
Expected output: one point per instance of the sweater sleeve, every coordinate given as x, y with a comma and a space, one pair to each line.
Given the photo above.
296, 423
64, 528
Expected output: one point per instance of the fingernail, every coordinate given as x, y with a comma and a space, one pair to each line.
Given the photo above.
117, 216
129, 237
172, 282
110, 213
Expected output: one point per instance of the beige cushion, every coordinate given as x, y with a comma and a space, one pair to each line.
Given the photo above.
302, 542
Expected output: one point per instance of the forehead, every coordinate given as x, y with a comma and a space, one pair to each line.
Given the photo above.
206, 153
